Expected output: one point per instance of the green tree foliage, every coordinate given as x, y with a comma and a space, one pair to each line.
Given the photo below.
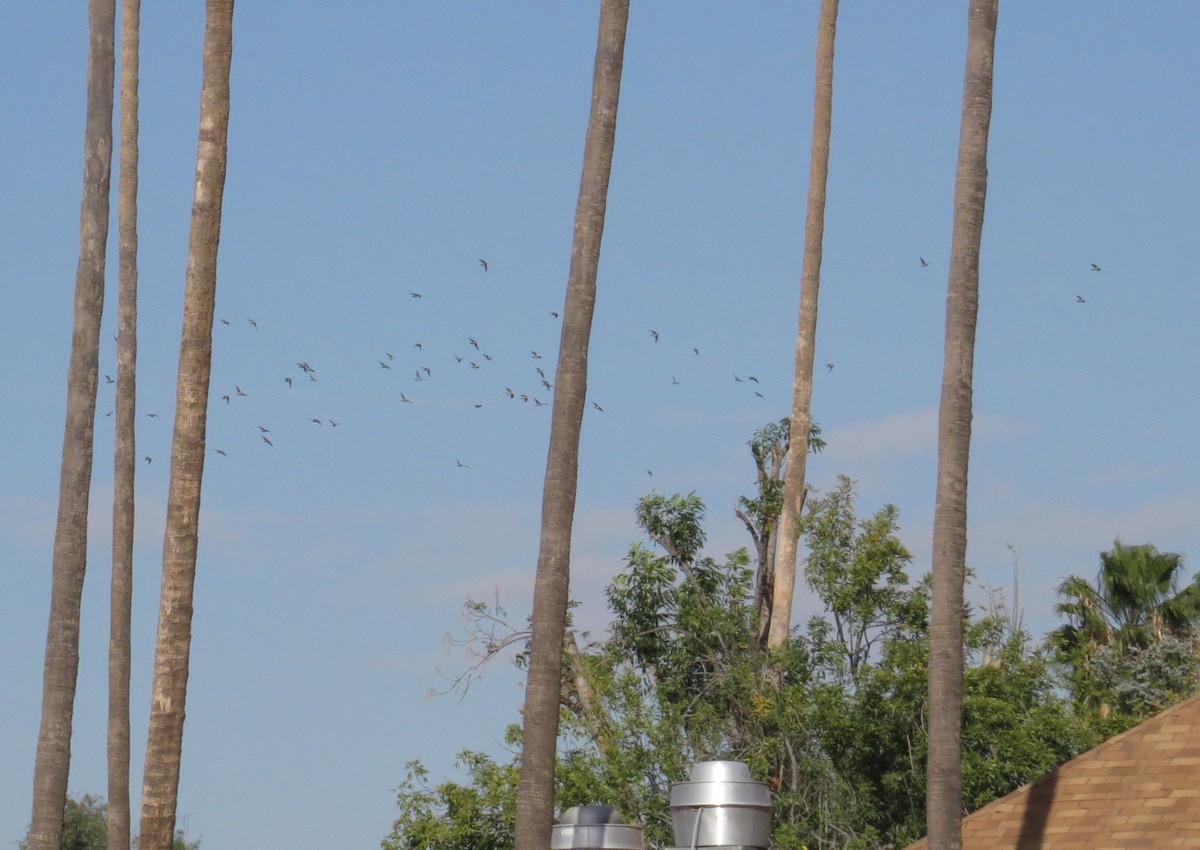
1129, 646
85, 827
838, 728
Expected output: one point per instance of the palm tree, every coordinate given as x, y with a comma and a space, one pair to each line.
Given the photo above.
944, 768
125, 451
53, 760
543, 688
1134, 603
810, 281
165, 739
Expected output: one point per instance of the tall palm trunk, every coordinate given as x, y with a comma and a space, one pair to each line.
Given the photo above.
53, 760
125, 451
165, 740
944, 786
784, 585
543, 688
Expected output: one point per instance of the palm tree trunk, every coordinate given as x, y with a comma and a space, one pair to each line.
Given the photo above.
165, 740
543, 688
125, 451
53, 760
806, 337
944, 786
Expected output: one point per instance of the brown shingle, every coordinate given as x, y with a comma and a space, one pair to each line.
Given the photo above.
1139, 789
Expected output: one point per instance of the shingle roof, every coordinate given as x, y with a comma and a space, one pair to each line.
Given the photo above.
1140, 789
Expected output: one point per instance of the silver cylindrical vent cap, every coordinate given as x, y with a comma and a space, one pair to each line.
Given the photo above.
595, 828
721, 806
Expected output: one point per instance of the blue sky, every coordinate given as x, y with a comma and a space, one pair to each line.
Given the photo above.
383, 150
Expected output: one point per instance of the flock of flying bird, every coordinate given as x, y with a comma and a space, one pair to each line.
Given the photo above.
473, 358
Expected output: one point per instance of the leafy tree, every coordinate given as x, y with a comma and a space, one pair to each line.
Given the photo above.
1129, 646
679, 679
85, 827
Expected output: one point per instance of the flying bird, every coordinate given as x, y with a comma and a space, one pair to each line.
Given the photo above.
226, 398
415, 294
598, 407
238, 389
674, 381
221, 452
760, 395
538, 403
474, 344
554, 313
1080, 299
391, 356
829, 366
739, 380
304, 367
224, 321
333, 424
1095, 267
318, 421
418, 346
655, 335
148, 458
108, 380
384, 365
288, 380
924, 262
253, 323
405, 399
696, 352
536, 356
152, 415
267, 441
264, 430
460, 463
754, 379
483, 263
509, 392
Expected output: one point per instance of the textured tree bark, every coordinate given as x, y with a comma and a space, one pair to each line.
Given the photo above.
543, 688
806, 337
943, 800
125, 451
53, 760
160, 787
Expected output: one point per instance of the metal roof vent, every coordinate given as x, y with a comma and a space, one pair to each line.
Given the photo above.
595, 828
721, 806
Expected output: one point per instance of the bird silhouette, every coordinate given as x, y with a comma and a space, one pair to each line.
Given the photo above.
333, 424
267, 441
418, 346
760, 395
508, 391
1095, 267
318, 421
924, 263
239, 390
696, 352
739, 380
536, 356
304, 367
384, 365
754, 379
598, 407
152, 415
1080, 299
674, 381
554, 313
221, 452
288, 380
829, 366
461, 465
253, 323
405, 399
108, 380
224, 321
264, 430
483, 263
474, 343
391, 356
415, 294
148, 459
655, 335
226, 398
538, 403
